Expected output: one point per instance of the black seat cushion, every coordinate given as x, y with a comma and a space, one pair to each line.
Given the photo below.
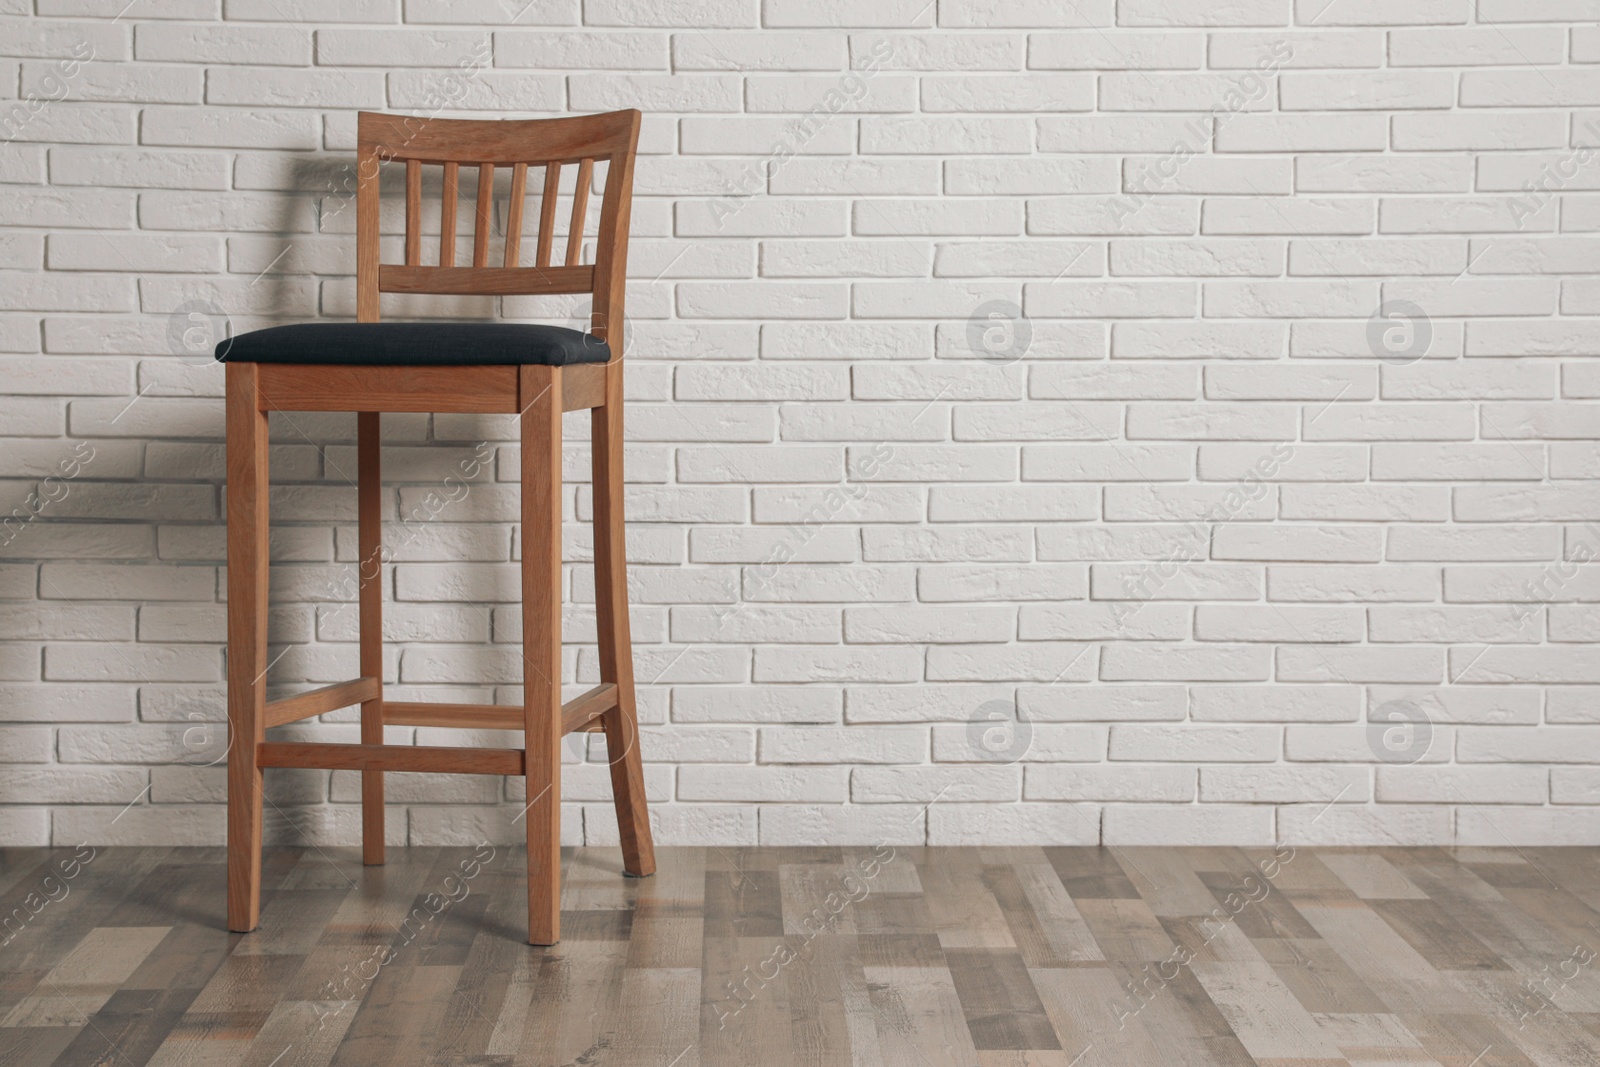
414, 344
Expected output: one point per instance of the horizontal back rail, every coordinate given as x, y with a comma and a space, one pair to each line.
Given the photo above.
485, 281
499, 141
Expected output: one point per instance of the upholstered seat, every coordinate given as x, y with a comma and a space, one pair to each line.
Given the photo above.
376, 344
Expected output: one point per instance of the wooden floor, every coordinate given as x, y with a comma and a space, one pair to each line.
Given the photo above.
903, 956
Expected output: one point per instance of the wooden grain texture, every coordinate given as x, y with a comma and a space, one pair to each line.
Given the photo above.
436, 760
519, 196
322, 700
540, 402
484, 389
998, 999
606, 316
732, 956
547, 215
579, 713
454, 143
611, 618
538, 395
585, 385
248, 561
502, 141
367, 164
414, 213
329, 387
580, 207
491, 281
483, 206
447, 216
369, 578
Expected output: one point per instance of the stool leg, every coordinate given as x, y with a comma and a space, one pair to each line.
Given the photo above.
616, 645
369, 538
247, 639
540, 389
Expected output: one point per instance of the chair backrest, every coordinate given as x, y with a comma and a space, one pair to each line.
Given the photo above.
489, 143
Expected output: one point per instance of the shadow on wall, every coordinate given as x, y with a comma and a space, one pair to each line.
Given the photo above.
127, 513
139, 483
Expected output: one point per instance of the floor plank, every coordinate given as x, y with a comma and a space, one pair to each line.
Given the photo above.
998, 998
761, 957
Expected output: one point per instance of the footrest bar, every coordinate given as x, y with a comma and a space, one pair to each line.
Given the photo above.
320, 701
390, 758
459, 716
579, 713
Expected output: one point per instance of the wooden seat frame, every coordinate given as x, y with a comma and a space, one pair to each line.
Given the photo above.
538, 395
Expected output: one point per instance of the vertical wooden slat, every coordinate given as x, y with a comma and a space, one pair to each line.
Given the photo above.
369, 540
413, 212
485, 208
611, 616
547, 214
580, 207
540, 399
519, 193
247, 638
447, 217
367, 234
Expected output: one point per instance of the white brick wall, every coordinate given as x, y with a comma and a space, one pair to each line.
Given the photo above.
1041, 366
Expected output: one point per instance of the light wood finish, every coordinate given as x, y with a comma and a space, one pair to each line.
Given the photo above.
541, 645
128, 967
248, 561
547, 214
447, 217
337, 387
320, 387
484, 205
503, 142
580, 205
323, 700
369, 576
616, 642
493, 281
611, 262
549, 143
413, 212
539, 395
578, 713
367, 758
459, 716
584, 386
367, 252
519, 195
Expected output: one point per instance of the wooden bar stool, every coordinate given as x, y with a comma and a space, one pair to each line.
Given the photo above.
534, 371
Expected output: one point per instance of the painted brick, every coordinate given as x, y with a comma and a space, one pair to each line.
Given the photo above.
1196, 532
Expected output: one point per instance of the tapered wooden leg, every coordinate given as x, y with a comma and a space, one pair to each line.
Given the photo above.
369, 538
247, 639
541, 644
616, 645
